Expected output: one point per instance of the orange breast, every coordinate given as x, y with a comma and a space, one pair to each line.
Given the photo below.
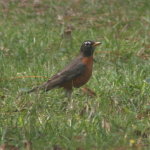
82, 79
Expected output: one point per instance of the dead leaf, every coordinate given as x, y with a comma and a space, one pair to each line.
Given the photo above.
106, 125
67, 32
145, 113
28, 145
84, 110
57, 147
3, 147
80, 148
79, 137
60, 18
2, 95
70, 12
36, 2
146, 56
144, 52
8, 147
88, 92
143, 134
141, 52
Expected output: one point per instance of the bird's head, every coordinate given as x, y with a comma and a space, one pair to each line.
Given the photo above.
88, 47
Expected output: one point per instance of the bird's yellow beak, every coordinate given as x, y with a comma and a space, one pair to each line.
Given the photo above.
97, 43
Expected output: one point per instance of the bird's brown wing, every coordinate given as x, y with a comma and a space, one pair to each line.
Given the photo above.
73, 70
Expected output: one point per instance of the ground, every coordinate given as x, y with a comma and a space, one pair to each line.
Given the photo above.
38, 38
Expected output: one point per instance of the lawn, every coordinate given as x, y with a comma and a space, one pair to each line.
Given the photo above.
37, 39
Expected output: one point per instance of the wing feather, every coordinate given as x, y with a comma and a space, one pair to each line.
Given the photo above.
73, 70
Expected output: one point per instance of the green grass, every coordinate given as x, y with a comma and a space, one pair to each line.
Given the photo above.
31, 43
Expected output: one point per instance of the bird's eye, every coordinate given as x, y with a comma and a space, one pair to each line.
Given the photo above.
87, 43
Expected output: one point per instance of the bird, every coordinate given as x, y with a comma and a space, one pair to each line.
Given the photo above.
74, 75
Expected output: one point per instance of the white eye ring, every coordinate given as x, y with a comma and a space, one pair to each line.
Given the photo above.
87, 43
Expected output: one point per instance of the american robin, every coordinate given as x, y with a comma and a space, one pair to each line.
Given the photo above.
76, 74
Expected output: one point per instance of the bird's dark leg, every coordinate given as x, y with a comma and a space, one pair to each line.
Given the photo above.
66, 104
69, 94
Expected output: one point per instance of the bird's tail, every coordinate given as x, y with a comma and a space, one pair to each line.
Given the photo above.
36, 89
45, 87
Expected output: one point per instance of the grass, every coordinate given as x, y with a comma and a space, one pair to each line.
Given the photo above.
32, 44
